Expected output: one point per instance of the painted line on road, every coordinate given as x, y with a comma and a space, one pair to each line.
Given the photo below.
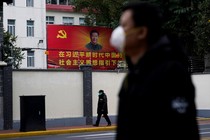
202, 133
101, 137
93, 135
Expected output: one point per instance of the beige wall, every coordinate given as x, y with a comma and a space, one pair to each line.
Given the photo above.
64, 91
202, 87
110, 83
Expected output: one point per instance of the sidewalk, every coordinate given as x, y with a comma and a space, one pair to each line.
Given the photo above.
55, 130
71, 129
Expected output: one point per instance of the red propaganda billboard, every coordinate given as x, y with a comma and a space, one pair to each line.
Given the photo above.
69, 46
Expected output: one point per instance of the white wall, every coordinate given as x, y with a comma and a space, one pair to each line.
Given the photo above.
59, 16
202, 87
64, 91
20, 13
110, 83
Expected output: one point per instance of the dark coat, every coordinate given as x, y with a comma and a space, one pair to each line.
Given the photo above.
157, 97
102, 104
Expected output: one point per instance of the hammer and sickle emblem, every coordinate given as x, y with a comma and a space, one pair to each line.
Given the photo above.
61, 34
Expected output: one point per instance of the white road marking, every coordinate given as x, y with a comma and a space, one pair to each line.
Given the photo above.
204, 129
202, 133
102, 137
93, 135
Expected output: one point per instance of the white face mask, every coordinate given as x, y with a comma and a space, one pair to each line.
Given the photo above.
118, 38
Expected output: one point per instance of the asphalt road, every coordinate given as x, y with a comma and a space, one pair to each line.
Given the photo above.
100, 135
204, 130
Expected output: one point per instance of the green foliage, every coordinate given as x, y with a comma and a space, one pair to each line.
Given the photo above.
11, 54
201, 29
188, 19
100, 12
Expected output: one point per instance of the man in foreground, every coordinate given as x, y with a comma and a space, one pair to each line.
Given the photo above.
157, 97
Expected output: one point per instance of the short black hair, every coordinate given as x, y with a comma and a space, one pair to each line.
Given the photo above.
94, 31
149, 15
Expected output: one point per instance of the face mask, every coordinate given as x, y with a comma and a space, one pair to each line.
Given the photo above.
118, 38
99, 93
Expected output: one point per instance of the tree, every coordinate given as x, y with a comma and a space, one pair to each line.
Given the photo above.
100, 12
11, 54
201, 29
187, 19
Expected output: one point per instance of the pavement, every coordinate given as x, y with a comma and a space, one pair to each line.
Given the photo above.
72, 129
55, 130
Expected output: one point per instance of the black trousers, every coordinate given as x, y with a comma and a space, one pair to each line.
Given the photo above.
105, 116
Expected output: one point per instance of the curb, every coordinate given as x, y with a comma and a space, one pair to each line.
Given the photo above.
65, 131
54, 132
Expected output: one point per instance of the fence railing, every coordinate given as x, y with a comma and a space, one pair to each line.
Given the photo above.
196, 64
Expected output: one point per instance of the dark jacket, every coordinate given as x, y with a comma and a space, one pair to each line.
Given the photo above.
102, 104
157, 97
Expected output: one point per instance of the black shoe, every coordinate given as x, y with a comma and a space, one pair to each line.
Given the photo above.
109, 124
95, 125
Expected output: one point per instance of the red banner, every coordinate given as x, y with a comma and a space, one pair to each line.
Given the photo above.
68, 47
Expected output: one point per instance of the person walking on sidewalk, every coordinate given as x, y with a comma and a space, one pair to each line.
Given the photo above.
157, 97
102, 108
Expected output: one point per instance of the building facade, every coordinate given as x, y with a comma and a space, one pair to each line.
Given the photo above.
28, 19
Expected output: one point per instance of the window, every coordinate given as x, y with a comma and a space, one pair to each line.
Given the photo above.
68, 20
13, 3
30, 58
81, 21
51, 1
70, 2
63, 2
60, 2
49, 20
29, 3
30, 28
11, 26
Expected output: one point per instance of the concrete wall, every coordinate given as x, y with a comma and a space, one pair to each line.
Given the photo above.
63, 92
201, 82
110, 82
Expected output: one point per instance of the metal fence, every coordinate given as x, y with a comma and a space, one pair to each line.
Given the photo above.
196, 64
